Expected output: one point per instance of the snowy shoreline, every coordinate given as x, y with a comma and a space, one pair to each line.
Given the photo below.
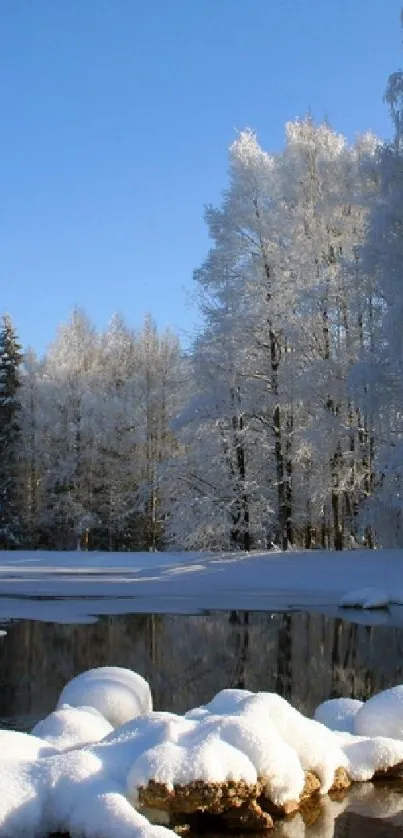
35, 584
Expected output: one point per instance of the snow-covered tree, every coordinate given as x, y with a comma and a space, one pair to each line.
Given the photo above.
279, 292
383, 353
11, 524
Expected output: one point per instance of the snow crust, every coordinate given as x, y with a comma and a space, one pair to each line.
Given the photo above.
53, 780
117, 693
338, 713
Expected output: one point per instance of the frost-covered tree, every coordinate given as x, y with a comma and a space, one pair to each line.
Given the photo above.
383, 358
11, 524
71, 412
33, 432
283, 293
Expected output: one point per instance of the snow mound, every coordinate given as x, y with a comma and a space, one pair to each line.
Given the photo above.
216, 749
338, 713
368, 755
93, 790
382, 715
68, 793
72, 727
117, 693
366, 598
313, 744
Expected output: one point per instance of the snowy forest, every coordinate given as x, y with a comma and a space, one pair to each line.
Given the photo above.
282, 425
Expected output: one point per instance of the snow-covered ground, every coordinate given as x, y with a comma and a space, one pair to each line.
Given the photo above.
111, 583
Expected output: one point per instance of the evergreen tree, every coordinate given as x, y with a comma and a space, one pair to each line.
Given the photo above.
10, 438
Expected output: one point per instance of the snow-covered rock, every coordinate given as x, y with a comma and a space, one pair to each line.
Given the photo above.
338, 713
369, 755
366, 598
382, 715
72, 727
313, 744
117, 693
254, 739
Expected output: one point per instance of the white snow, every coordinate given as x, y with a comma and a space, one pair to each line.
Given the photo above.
22, 747
382, 715
117, 693
338, 713
50, 782
99, 583
366, 598
72, 727
313, 744
367, 755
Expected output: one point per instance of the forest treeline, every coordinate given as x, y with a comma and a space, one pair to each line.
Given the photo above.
282, 424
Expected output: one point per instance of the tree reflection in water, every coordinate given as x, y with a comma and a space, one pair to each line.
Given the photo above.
187, 659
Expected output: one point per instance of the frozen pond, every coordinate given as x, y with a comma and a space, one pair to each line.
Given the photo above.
306, 657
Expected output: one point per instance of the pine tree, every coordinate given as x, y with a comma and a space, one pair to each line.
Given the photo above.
10, 437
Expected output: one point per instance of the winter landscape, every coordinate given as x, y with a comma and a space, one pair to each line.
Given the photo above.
201, 523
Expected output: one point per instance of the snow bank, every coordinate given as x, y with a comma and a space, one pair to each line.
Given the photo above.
366, 598
117, 693
72, 727
338, 713
315, 579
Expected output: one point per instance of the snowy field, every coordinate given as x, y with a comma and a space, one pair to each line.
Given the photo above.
75, 587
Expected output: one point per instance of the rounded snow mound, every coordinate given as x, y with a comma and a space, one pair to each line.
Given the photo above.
382, 715
72, 727
295, 742
117, 693
338, 713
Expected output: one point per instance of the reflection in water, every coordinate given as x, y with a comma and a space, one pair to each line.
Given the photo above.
304, 657
357, 816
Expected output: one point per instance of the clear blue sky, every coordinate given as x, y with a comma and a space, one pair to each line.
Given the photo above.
116, 116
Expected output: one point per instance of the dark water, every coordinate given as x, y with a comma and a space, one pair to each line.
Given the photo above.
187, 659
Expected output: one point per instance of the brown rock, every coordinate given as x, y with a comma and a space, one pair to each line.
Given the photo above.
341, 781
311, 787
198, 796
239, 805
395, 772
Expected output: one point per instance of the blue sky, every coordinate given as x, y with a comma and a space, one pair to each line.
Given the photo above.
116, 116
